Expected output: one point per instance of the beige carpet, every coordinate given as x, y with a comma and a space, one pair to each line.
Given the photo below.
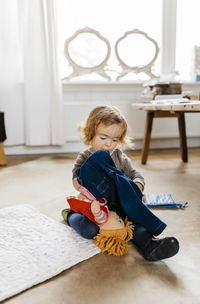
44, 183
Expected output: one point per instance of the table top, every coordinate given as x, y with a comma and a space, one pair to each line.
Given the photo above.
192, 106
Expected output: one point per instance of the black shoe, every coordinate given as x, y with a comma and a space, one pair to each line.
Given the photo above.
159, 249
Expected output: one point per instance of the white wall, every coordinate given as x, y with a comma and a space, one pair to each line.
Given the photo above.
79, 98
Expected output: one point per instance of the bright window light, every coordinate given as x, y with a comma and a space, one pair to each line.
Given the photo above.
188, 25
111, 19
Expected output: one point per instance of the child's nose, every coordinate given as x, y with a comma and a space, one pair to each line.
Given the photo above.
108, 142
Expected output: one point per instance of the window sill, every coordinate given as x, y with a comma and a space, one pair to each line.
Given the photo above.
118, 83
100, 83
116, 86
98, 86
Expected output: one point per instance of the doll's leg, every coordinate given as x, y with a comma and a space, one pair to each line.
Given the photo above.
82, 225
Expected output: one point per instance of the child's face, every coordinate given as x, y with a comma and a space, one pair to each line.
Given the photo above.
106, 137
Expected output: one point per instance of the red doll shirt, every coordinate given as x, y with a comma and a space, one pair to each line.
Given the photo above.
84, 207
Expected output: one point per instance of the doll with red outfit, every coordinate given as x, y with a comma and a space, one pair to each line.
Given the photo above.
114, 233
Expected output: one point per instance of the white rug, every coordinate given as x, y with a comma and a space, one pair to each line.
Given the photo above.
34, 248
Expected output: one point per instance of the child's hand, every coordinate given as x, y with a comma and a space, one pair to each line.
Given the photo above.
144, 199
141, 189
140, 186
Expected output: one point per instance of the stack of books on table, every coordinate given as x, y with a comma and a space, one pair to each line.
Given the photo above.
170, 99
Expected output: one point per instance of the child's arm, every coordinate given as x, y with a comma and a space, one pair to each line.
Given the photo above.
123, 163
78, 187
81, 158
132, 173
76, 184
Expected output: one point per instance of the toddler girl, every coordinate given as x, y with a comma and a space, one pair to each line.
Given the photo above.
106, 171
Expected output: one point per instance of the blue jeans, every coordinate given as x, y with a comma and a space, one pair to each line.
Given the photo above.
87, 229
101, 177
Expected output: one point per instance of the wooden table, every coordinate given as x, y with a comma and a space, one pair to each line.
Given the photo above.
155, 110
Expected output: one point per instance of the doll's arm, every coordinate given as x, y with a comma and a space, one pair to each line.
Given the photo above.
85, 193
78, 187
99, 215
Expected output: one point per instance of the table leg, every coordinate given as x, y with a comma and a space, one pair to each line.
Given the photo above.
147, 136
183, 138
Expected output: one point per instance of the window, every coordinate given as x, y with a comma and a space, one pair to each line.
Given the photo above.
188, 24
111, 19
173, 24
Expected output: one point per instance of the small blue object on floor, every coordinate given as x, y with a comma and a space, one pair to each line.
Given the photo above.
163, 200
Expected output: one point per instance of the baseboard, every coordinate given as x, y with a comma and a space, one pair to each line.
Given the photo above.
76, 146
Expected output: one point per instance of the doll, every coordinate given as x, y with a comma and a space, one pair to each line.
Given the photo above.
114, 233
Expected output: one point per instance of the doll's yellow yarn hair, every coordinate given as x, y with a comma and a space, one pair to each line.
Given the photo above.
115, 241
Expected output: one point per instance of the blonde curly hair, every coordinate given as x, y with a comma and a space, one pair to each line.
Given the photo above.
115, 241
107, 115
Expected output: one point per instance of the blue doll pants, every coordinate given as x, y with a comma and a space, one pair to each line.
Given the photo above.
87, 229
